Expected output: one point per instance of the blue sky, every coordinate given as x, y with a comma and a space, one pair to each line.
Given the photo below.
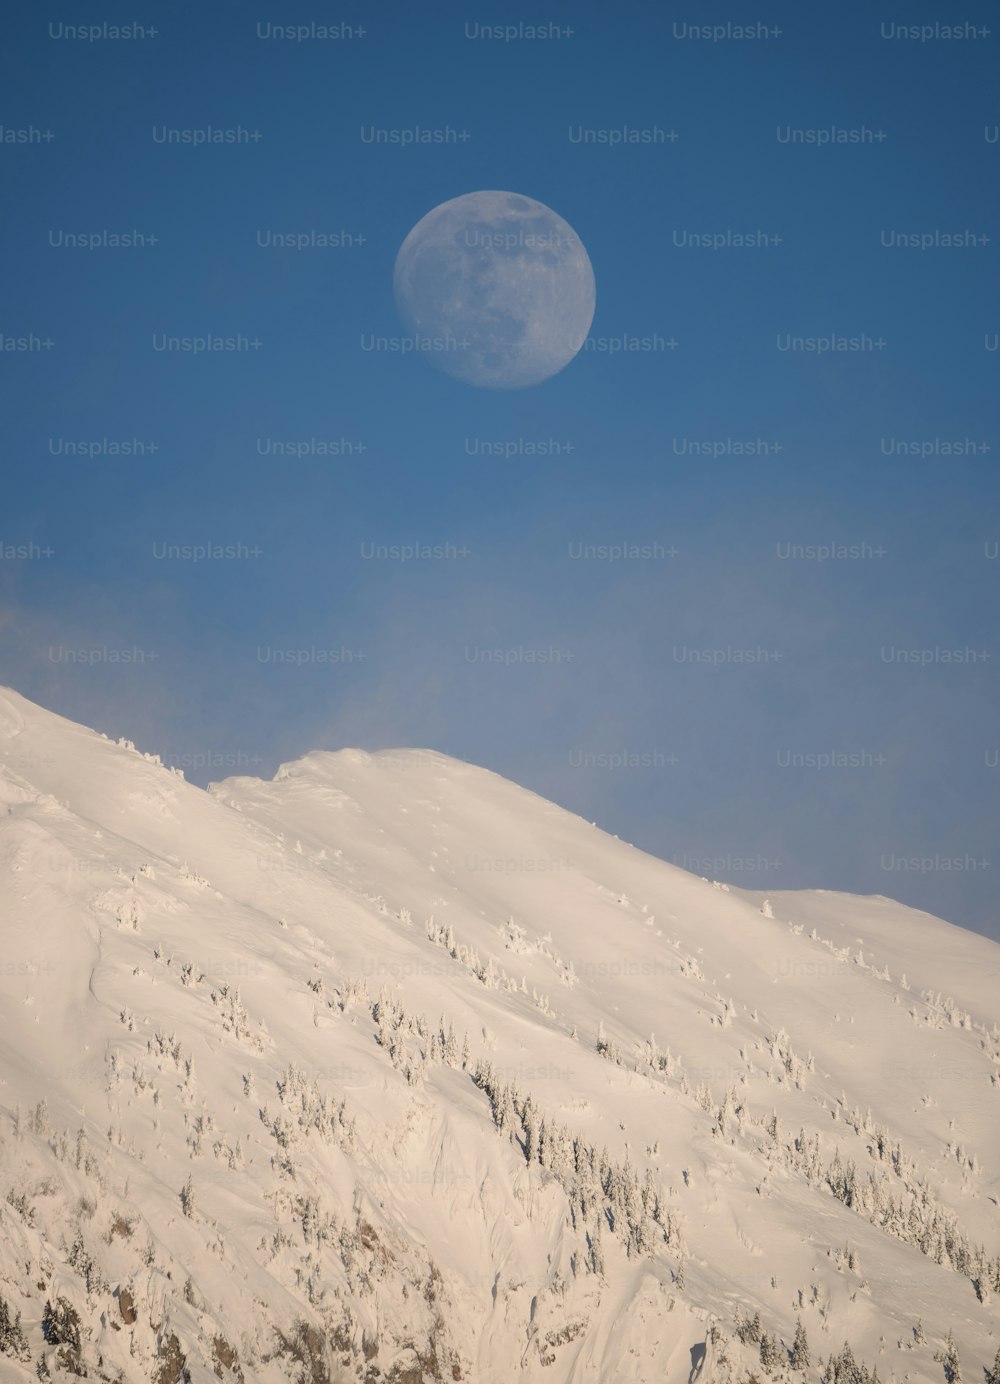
838, 726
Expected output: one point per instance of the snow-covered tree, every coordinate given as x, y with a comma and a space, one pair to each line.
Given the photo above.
61, 1327
800, 1357
771, 1355
949, 1358
544, 1145
748, 1329
12, 1338
530, 1124
596, 1249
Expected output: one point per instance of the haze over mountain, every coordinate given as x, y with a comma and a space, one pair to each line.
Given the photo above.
391, 1070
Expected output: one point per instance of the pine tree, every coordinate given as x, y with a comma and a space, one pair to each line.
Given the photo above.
748, 1329
993, 1375
770, 1353
604, 1170
640, 1240
850, 1183
596, 1255
628, 1198
504, 1114
530, 1131
845, 1367
800, 1348
560, 1158
949, 1358
544, 1145
61, 1327
12, 1338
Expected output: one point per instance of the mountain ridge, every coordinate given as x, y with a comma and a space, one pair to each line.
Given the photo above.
371, 963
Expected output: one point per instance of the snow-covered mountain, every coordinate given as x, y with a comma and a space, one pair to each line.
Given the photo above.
390, 1070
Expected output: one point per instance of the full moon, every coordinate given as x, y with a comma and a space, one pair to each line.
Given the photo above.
496, 289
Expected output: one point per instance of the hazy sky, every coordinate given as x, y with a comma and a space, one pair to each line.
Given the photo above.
839, 725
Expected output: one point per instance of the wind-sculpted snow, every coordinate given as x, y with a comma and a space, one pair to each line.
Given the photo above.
389, 1070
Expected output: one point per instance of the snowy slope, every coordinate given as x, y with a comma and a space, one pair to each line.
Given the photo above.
391, 1070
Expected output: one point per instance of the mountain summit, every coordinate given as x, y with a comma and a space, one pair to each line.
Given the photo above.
390, 1070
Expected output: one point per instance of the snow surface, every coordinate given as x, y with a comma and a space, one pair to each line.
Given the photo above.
167, 955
